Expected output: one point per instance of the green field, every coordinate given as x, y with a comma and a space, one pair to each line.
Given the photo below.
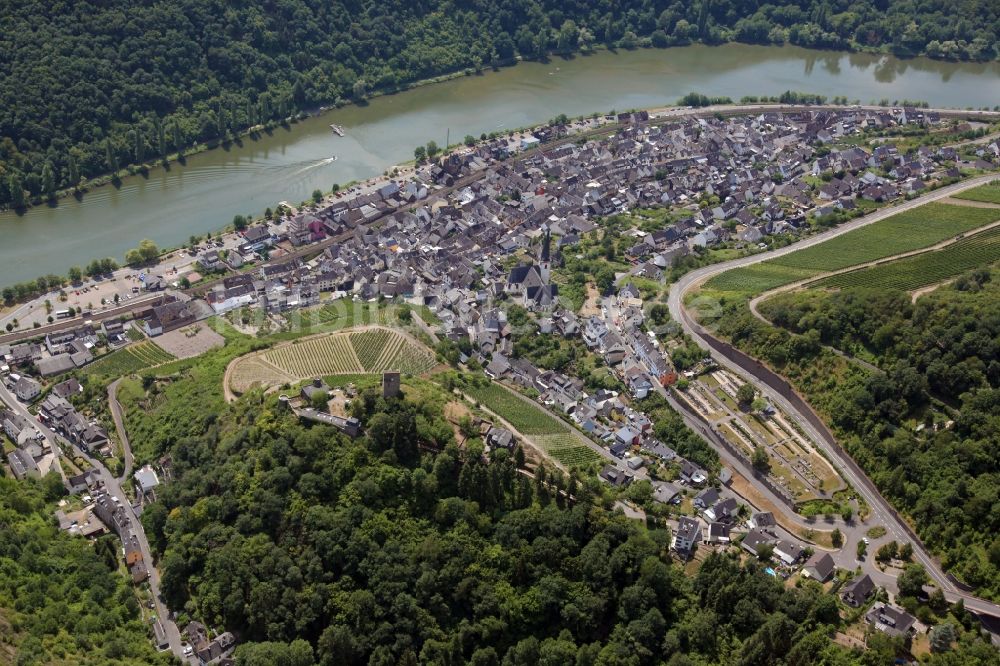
549, 433
925, 269
910, 230
567, 448
989, 193
528, 418
129, 360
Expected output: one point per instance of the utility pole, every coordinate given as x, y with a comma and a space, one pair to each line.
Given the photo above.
447, 139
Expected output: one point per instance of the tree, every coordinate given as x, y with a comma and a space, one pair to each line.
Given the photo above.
72, 171
745, 394
48, 180
759, 404
432, 149
470, 140
836, 538
887, 552
419, 153
862, 549
319, 400
760, 460
110, 158
317, 196
239, 222
75, 275
138, 145
942, 636
911, 582
360, 89
905, 551
17, 199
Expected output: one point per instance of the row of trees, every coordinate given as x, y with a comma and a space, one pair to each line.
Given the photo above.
121, 86
146, 252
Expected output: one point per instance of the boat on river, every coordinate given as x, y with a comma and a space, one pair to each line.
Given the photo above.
337, 129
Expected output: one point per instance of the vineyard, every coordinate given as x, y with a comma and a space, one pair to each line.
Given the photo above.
129, 360
989, 193
329, 355
526, 417
345, 313
550, 434
921, 270
567, 449
371, 346
342, 353
910, 230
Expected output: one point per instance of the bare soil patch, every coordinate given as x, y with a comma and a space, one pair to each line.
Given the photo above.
190, 341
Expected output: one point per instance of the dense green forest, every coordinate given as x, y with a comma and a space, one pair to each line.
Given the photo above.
926, 430
97, 86
62, 599
317, 548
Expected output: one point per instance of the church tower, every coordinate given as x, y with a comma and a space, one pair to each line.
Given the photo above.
543, 260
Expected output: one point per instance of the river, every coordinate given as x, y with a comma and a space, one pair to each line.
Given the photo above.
205, 193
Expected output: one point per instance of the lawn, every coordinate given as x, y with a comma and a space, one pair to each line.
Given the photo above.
910, 273
989, 193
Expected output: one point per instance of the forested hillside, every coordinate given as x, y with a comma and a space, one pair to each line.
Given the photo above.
88, 87
62, 599
315, 548
927, 429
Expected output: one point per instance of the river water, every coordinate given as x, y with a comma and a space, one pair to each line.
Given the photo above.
203, 195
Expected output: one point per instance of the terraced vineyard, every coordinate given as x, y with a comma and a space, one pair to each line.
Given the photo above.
925, 269
989, 193
341, 353
330, 355
129, 360
370, 346
910, 230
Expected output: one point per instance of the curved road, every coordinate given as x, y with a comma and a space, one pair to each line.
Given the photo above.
116, 415
881, 509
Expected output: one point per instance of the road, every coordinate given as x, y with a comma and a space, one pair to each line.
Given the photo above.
769, 385
114, 488
116, 416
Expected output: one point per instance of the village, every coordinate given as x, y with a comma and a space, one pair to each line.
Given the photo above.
488, 243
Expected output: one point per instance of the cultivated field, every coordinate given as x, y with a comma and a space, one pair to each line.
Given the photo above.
554, 437
911, 273
129, 360
985, 193
910, 230
347, 352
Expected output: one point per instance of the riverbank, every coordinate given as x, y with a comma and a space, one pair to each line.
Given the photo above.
171, 205
147, 169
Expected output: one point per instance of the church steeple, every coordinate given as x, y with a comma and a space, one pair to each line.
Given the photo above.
543, 260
